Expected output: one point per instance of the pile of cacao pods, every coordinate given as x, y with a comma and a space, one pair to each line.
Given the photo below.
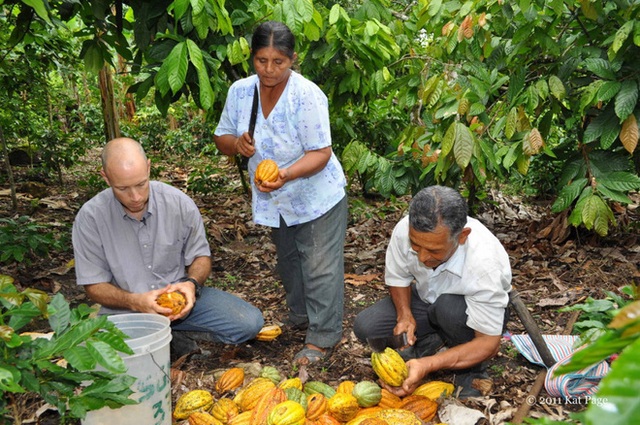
268, 399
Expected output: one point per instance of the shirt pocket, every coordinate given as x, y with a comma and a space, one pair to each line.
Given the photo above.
168, 259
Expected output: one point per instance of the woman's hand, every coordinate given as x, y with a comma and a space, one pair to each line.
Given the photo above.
244, 145
283, 177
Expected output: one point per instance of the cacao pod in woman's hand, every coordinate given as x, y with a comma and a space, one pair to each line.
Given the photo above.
267, 171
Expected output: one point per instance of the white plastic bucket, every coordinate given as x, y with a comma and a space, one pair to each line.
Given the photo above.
149, 337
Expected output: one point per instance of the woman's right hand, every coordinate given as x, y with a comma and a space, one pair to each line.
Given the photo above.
244, 145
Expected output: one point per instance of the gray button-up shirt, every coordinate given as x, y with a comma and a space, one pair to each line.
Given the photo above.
138, 255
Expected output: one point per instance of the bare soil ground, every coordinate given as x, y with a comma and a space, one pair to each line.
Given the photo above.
553, 266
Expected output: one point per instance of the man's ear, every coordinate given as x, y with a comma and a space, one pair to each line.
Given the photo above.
104, 177
464, 234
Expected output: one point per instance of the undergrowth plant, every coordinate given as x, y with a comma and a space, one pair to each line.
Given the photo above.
22, 239
60, 366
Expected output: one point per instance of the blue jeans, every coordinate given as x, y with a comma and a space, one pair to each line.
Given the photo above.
311, 267
222, 317
446, 316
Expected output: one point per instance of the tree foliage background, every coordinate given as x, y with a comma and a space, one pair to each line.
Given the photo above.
540, 96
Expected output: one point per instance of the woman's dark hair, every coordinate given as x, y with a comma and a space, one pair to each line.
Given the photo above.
435, 205
274, 34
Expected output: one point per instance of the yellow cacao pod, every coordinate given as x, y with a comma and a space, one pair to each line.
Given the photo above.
316, 406
367, 420
176, 301
230, 380
423, 407
191, 402
435, 389
287, 413
248, 397
242, 419
267, 171
291, 383
203, 418
224, 410
389, 367
269, 333
345, 387
343, 407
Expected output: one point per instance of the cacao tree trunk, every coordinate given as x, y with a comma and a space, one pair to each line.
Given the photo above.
12, 185
109, 111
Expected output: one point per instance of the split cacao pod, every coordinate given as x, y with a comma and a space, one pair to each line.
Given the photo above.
267, 171
316, 406
435, 389
269, 333
389, 367
230, 380
176, 301
191, 402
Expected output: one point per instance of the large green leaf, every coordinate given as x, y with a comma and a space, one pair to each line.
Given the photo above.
617, 401
40, 8
620, 180
626, 99
463, 145
204, 85
106, 356
568, 194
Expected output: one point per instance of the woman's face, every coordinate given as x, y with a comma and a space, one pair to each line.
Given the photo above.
272, 66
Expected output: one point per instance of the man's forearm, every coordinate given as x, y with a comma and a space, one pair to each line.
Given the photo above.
111, 296
200, 269
466, 355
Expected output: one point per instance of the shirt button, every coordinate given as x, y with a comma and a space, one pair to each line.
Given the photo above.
149, 267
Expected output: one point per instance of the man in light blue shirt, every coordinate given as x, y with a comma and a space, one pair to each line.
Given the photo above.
141, 238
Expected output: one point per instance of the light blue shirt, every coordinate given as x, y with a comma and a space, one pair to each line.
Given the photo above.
479, 270
298, 123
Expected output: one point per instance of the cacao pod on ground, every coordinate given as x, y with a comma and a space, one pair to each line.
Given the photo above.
192, 401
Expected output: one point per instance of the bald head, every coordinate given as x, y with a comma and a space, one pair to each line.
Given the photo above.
123, 153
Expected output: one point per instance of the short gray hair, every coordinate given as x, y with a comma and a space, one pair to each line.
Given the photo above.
436, 205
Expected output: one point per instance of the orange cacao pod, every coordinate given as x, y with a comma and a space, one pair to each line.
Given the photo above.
267, 171
388, 400
422, 406
230, 380
176, 301
248, 397
326, 419
267, 402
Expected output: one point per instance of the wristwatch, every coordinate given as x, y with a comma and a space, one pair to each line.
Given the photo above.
195, 283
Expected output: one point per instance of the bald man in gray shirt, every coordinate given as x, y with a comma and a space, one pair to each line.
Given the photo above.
141, 238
